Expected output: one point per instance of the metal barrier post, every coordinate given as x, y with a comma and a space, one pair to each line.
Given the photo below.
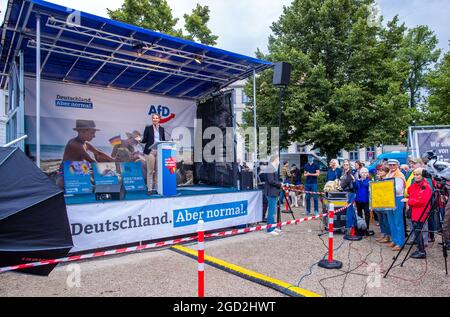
330, 263
201, 258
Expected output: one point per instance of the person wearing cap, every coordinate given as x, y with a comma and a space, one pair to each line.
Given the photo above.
396, 215
383, 220
80, 147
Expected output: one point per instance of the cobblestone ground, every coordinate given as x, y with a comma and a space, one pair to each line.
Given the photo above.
287, 257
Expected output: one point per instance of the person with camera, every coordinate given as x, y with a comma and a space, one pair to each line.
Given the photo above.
272, 186
419, 194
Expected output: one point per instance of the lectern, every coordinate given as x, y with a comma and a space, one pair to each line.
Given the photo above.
166, 167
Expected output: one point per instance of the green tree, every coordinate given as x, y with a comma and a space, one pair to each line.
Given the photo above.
439, 88
196, 26
419, 52
347, 82
157, 15
150, 14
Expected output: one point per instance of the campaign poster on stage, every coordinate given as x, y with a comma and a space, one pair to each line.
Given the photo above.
132, 177
437, 140
105, 173
382, 195
77, 177
81, 123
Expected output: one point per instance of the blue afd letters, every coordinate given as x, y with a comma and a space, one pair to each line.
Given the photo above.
163, 111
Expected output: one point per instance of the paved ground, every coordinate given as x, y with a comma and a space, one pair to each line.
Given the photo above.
287, 257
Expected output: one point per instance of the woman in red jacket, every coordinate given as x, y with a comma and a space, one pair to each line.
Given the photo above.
419, 194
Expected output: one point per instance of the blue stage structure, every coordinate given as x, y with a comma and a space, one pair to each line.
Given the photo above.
44, 41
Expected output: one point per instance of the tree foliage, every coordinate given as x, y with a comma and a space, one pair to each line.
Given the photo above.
196, 26
157, 15
439, 98
419, 52
349, 83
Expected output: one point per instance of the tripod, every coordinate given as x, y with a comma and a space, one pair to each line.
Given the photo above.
434, 202
289, 205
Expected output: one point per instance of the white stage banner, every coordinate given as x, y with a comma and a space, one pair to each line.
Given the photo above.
114, 223
116, 114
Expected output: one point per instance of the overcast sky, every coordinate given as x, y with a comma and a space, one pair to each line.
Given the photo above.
244, 25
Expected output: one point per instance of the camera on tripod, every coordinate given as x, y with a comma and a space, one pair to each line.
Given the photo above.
438, 170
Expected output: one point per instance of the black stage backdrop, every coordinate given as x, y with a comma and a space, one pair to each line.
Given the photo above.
216, 112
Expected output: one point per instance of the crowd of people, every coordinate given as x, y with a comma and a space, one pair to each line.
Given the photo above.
412, 195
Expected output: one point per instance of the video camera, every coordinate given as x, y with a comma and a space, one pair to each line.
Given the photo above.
438, 170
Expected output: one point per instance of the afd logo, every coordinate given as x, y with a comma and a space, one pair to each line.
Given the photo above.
163, 111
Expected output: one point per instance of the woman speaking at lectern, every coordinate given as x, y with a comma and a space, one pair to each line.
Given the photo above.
152, 134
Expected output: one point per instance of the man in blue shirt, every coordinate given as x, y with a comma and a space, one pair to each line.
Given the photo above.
311, 172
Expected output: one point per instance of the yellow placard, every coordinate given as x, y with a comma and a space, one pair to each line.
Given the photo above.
383, 194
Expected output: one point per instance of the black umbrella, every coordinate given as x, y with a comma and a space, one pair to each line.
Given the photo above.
33, 216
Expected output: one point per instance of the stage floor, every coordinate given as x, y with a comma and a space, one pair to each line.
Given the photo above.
181, 191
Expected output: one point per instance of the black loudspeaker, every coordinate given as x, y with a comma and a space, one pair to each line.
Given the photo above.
282, 74
109, 192
215, 112
246, 180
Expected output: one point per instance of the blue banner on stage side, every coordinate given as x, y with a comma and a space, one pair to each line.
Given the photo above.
132, 176
77, 177
105, 174
190, 216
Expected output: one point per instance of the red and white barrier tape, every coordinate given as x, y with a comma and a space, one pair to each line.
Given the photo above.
260, 228
288, 189
98, 254
162, 243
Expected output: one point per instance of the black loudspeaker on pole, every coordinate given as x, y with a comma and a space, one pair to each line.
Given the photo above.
281, 79
282, 74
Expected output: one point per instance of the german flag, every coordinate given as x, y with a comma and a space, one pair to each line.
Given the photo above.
115, 140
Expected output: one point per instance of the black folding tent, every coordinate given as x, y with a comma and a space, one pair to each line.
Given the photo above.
33, 217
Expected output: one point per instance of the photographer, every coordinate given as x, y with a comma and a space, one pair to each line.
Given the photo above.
440, 172
419, 193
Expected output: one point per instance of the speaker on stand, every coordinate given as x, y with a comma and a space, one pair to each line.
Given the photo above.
281, 79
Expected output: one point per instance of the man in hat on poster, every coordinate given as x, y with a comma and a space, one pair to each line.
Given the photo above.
78, 148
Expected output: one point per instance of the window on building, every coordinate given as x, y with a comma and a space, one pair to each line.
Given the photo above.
353, 155
371, 153
245, 99
300, 148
